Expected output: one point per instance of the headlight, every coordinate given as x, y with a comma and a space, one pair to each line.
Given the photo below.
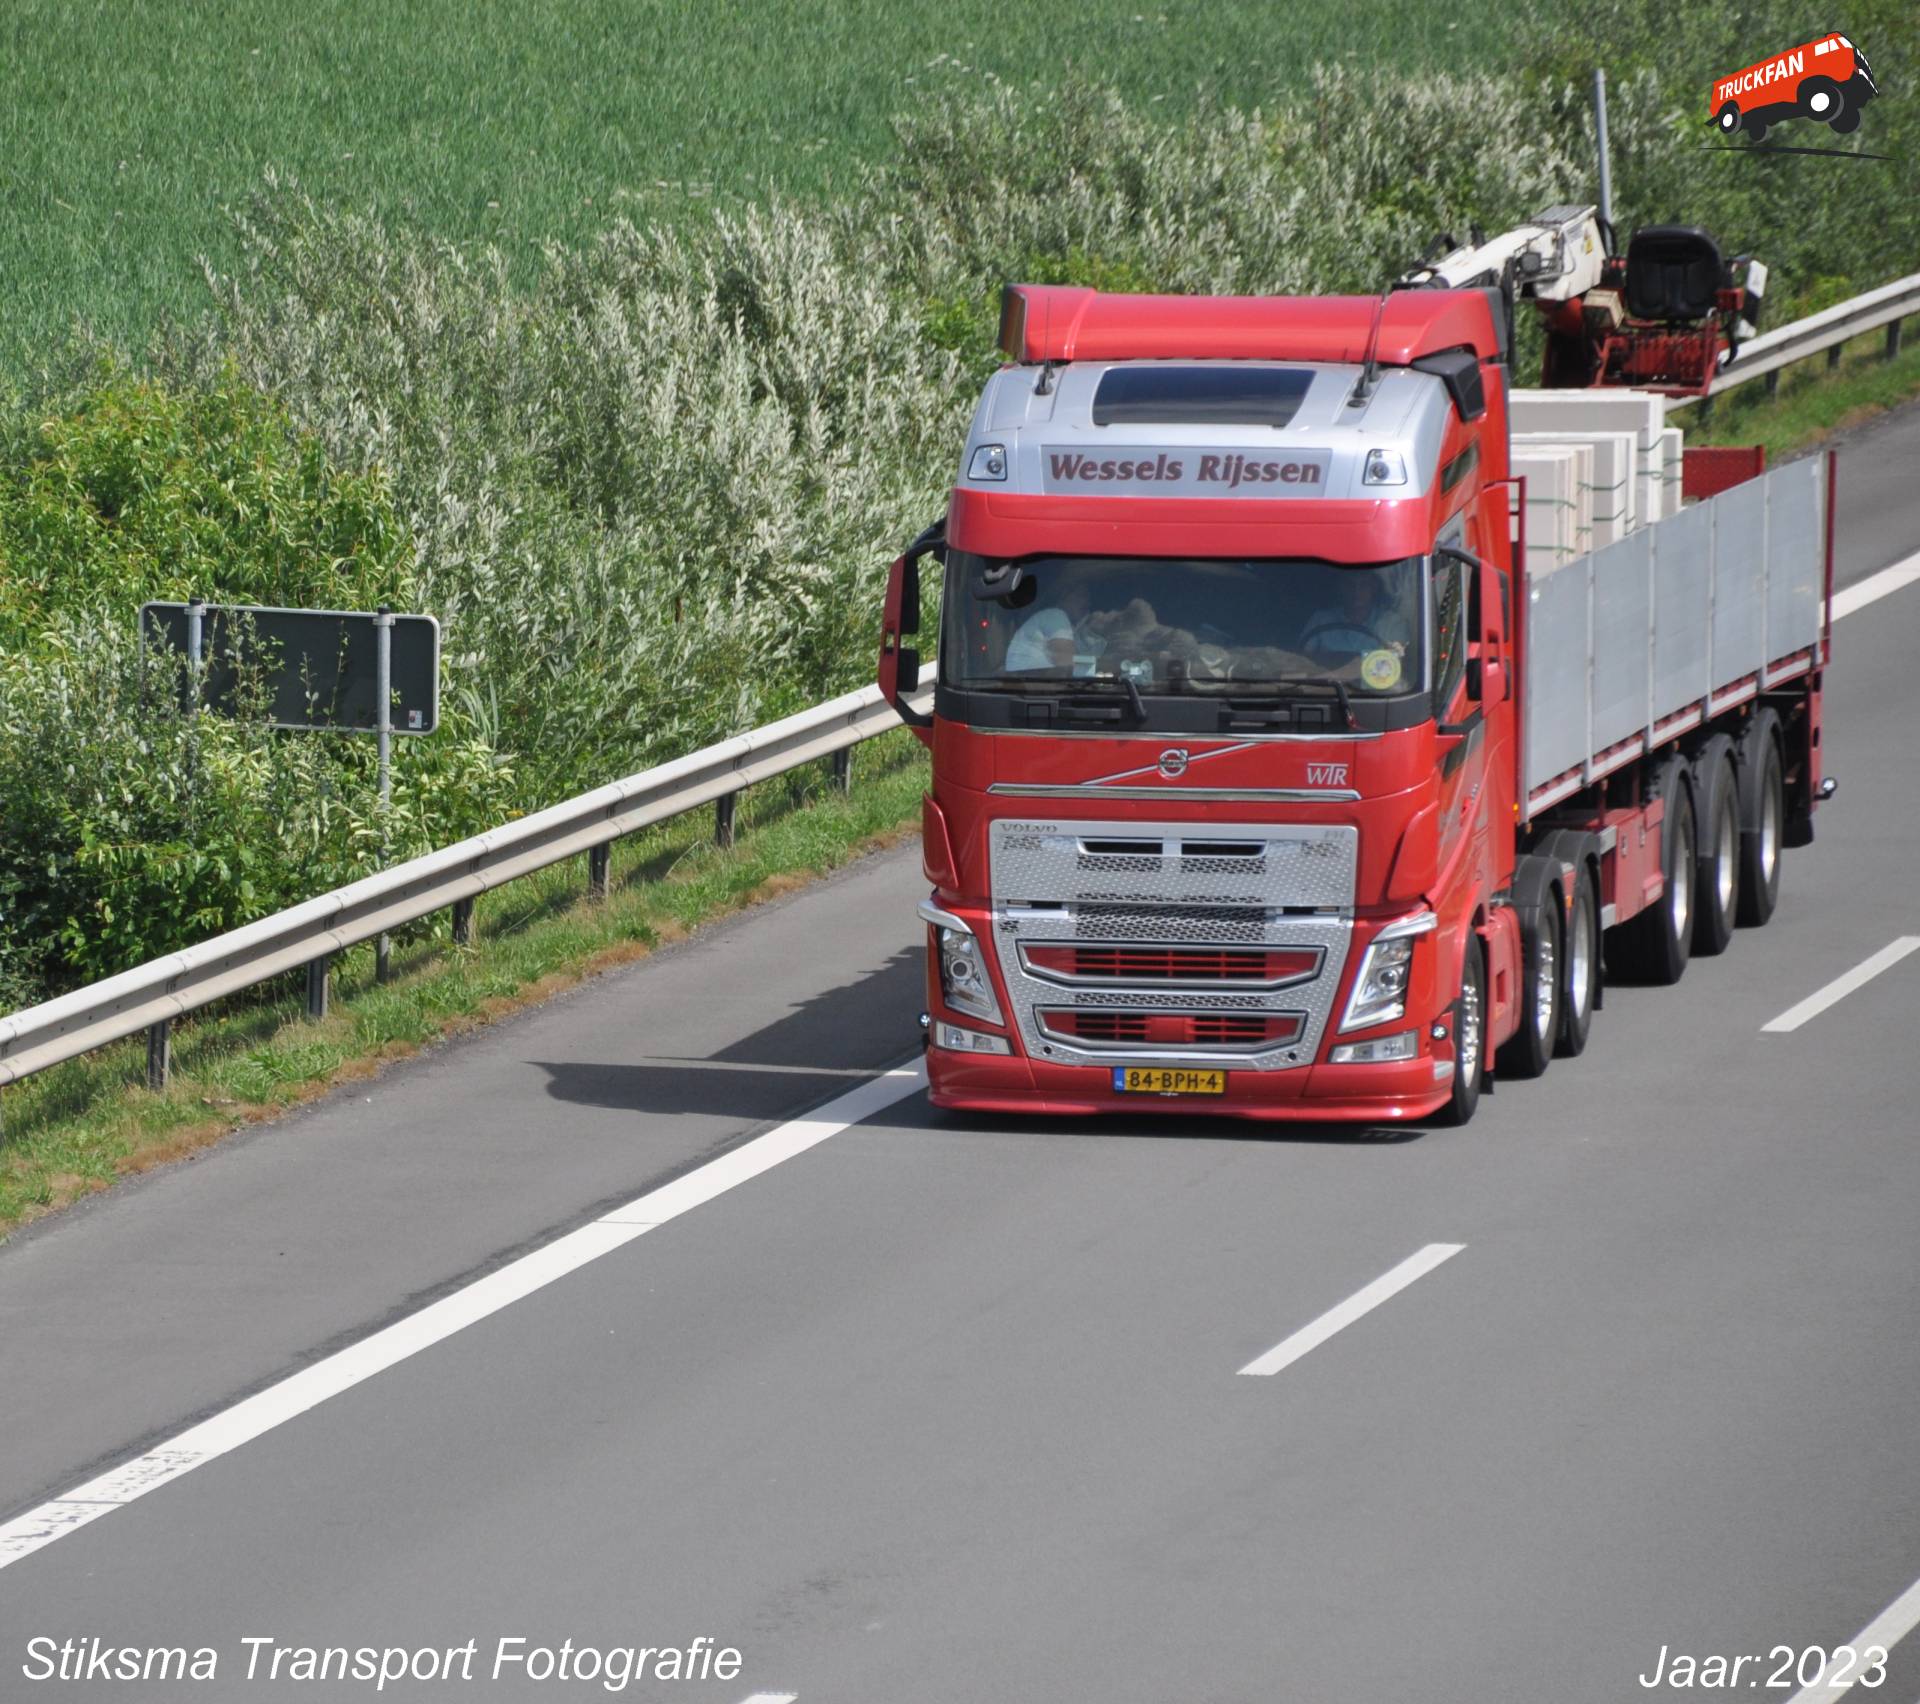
964, 982
1380, 990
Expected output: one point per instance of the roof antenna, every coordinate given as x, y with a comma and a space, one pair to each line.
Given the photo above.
1370, 373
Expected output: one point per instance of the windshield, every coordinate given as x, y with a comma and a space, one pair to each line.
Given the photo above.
1179, 625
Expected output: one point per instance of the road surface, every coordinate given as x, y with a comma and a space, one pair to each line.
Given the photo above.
936, 1411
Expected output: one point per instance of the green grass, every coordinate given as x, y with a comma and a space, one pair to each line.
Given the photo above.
127, 125
1812, 402
77, 1127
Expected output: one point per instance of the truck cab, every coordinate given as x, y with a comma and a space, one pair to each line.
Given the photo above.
1224, 726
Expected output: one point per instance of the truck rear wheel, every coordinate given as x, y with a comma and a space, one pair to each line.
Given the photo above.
1655, 945
1763, 816
1529, 1050
1469, 1036
1717, 890
1580, 960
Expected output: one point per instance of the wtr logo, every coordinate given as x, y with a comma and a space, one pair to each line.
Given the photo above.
1326, 774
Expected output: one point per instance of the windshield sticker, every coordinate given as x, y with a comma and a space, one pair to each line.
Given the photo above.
1380, 670
1190, 471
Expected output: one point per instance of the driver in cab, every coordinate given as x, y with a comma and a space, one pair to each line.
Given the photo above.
1362, 620
1050, 637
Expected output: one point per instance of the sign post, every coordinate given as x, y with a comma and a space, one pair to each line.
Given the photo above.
325, 671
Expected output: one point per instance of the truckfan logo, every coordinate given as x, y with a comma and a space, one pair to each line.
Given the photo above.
1827, 80
1173, 762
1326, 774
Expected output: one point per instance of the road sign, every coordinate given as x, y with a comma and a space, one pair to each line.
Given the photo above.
322, 665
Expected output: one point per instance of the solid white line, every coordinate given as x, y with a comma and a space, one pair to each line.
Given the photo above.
1876, 586
1841, 986
1360, 1302
311, 1386
771, 1698
1886, 1630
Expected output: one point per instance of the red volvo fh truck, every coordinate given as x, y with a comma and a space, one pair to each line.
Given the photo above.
1265, 779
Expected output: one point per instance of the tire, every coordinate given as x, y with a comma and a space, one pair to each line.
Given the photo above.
1716, 784
1529, 1050
1822, 99
1655, 945
1728, 119
1846, 121
1757, 129
1763, 818
1580, 968
1469, 1021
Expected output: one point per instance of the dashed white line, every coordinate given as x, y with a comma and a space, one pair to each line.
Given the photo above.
1886, 1630
771, 1698
1841, 986
1876, 586
308, 1388
1361, 1302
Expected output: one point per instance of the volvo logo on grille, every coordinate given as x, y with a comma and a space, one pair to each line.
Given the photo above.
1173, 762
1326, 774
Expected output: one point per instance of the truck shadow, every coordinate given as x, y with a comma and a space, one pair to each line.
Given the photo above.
820, 1048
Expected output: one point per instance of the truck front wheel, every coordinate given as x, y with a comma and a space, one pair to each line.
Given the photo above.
1469, 1036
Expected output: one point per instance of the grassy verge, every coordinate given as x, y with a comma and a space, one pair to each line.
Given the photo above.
76, 1128
1812, 403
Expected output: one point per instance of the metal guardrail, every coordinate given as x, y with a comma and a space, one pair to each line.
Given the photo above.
1765, 356
151, 995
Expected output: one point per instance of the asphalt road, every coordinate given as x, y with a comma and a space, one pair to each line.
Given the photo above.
950, 1410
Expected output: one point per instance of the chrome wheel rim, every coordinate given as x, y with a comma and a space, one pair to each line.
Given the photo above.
1770, 833
1468, 1044
1680, 878
1724, 867
1580, 952
1545, 989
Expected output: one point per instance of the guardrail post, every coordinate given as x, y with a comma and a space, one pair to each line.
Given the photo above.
463, 922
723, 819
319, 985
1833, 356
159, 1054
1773, 383
843, 770
599, 858
1893, 339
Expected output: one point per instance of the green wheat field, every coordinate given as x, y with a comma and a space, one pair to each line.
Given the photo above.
128, 125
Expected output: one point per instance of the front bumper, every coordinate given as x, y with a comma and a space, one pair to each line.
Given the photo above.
1378, 1094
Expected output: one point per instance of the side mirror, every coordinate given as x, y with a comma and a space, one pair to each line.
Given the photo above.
899, 671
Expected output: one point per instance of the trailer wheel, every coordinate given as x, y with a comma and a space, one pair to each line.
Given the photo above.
1728, 119
1655, 945
1820, 98
1763, 815
1469, 1036
1529, 1050
1580, 960
1717, 891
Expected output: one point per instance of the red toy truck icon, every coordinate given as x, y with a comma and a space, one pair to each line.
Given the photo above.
1827, 79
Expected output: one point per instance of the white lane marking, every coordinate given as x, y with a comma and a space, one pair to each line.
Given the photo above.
311, 1386
1886, 1629
771, 1698
1876, 586
1841, 986
1359, 1303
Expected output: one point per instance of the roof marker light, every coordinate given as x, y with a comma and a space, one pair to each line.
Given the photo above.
989, 462
1384, 467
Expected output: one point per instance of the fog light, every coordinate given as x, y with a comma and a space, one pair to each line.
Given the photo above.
1383, 1051
958, 1040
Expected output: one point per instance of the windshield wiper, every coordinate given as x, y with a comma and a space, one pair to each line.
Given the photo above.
1125, 682
1069, 687
1284, 685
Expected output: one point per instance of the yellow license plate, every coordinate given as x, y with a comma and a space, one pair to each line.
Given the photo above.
1167, 1080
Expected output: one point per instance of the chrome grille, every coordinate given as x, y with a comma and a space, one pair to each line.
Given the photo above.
1094, 863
